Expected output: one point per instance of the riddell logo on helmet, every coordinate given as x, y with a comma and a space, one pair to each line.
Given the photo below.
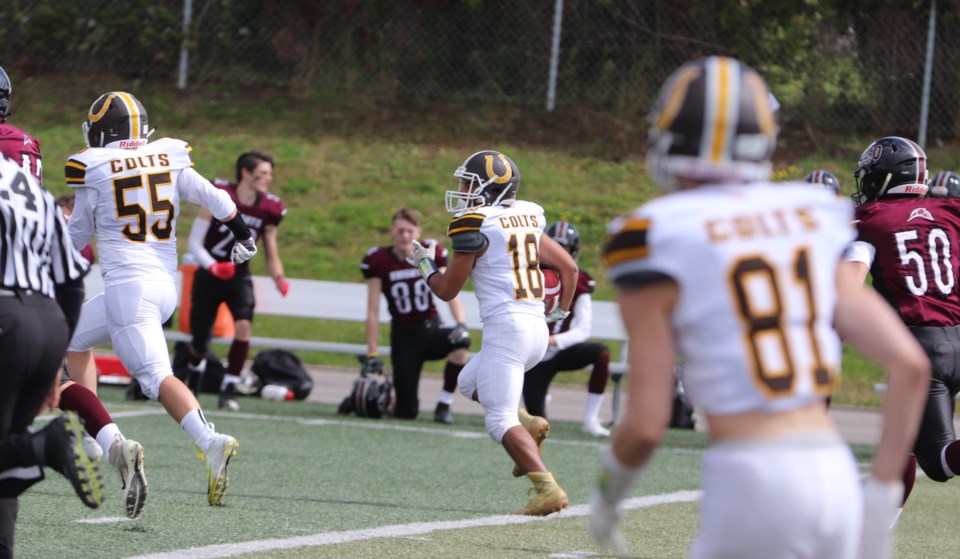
915, 189
128, 144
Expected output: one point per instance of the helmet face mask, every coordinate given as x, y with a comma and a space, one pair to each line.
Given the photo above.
486, 178
117, 119
566, 236
713, 122
891, 166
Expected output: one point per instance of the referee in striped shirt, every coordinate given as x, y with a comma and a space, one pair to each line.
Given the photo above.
41, 292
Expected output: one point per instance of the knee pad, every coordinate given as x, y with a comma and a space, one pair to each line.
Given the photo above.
150, 382
500, 420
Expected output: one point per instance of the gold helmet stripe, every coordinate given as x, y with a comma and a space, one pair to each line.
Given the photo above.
724, 71
134, 112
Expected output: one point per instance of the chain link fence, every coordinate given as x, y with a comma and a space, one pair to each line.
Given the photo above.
836, 67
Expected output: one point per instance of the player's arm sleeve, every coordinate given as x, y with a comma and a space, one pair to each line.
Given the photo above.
194, 188
860, 251
195, 242
631, 257
465, 235
580, 324
82, 220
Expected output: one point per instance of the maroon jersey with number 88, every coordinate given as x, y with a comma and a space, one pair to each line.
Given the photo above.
266, 210
917, 242
408, 297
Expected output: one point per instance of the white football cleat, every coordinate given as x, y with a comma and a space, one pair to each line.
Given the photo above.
126, 457
595, 429
217, 456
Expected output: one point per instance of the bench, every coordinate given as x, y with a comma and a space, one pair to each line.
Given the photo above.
331, 300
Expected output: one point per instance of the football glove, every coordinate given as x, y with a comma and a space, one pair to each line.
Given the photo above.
283, 286
880, 502
243, 250
557, 314
222, 270
459, 335
373, 364
424, 258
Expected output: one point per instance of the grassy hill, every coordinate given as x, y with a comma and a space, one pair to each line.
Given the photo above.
345, 165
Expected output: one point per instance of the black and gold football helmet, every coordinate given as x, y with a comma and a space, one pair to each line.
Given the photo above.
117, 119
711, 123
487, 178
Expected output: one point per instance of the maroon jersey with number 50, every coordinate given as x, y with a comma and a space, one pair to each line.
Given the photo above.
21, 147
915, 267
408, 296
266, 210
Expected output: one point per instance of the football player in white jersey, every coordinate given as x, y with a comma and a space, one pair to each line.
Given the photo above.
128, 195
739, 278
498, 242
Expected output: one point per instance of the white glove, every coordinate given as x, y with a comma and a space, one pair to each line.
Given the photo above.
603, 520
556, 314
880, 503
420, 252
243, 251
423, 259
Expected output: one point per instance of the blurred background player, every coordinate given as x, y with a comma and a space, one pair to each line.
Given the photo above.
908, 243
690, 282
568, 348
826, 178
128, 196
415, 332
102, 435
41, 290
945, 184
218, 280
498, 242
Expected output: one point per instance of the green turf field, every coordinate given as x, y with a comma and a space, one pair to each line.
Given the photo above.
309, 483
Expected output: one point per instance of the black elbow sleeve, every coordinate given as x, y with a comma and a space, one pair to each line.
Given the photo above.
70, 299
239, 229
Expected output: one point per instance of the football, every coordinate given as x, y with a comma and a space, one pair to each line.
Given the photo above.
551, 290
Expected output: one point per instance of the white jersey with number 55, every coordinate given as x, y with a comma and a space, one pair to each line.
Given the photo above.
756, 266
130, 199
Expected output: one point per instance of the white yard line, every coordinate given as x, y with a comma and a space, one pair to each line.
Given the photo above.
401, 530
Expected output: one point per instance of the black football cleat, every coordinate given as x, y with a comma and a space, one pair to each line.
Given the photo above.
59, 446
442, 414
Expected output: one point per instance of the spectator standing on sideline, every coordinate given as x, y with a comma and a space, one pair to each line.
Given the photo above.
909, 244
41, 290
124, 455
497, 241
568, 348
415, 332
128, 195
741, 277
218, 280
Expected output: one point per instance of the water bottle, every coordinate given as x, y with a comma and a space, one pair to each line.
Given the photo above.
276, 392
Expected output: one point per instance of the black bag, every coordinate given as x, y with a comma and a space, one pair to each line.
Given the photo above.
279, 366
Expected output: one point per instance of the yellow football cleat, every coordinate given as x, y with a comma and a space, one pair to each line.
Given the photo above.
546, 496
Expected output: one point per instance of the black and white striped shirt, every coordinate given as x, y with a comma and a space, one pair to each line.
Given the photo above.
35, 249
